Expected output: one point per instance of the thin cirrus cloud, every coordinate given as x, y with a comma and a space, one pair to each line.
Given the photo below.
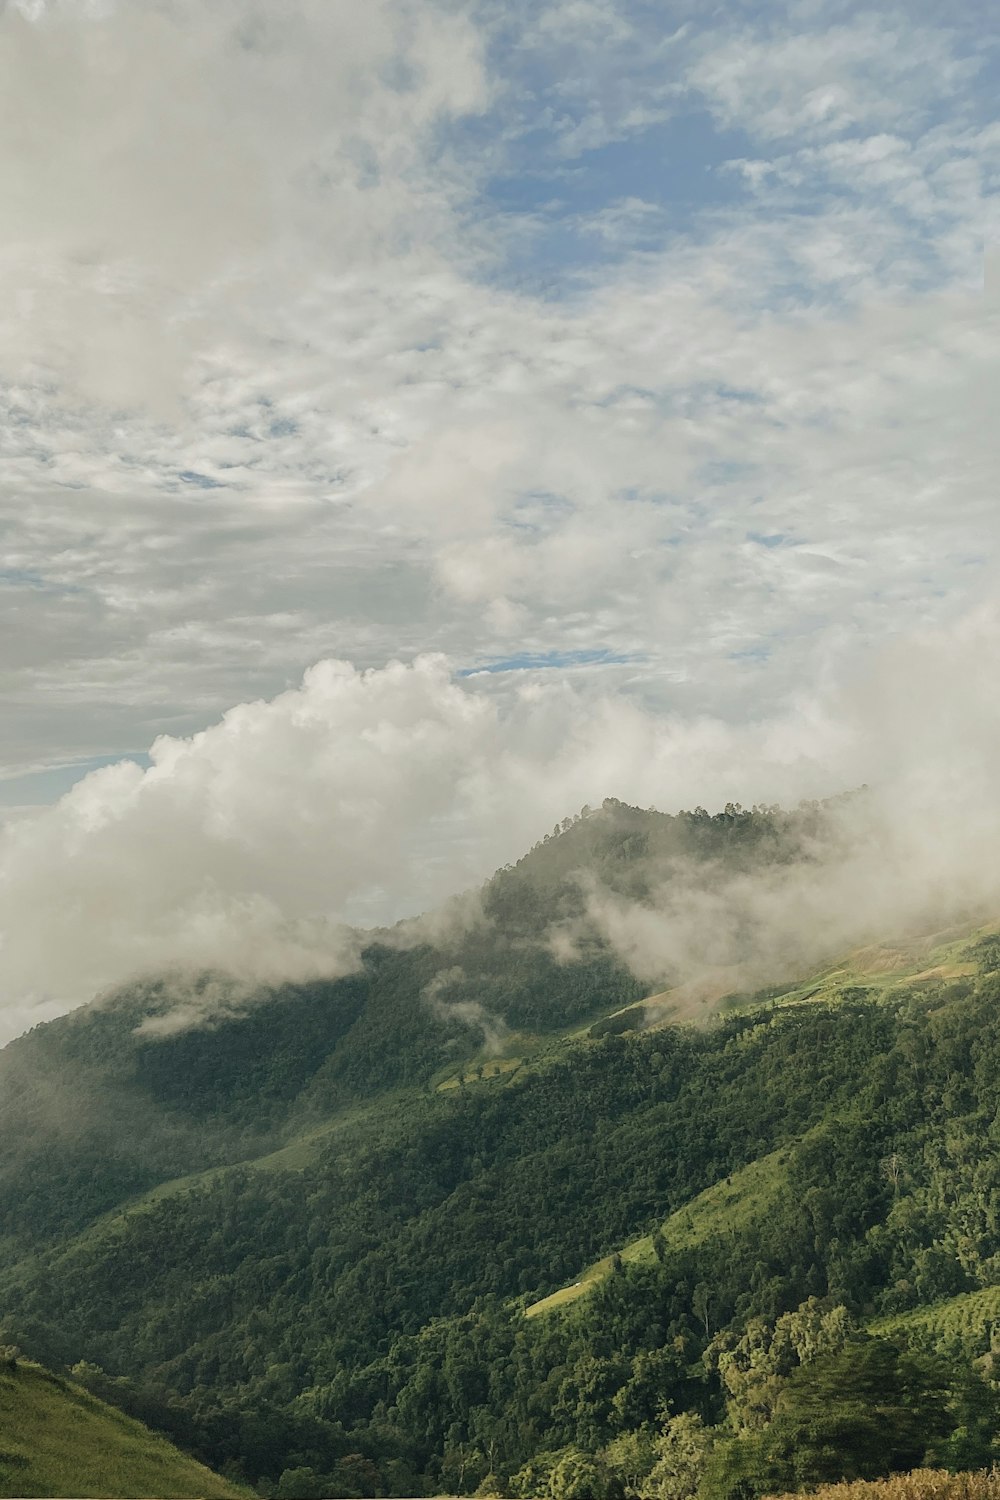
643, 347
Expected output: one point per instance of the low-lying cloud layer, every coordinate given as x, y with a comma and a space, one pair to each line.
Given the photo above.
364, 797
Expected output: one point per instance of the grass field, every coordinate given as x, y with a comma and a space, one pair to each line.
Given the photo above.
58, 1440
920, 1484
909, 962
492, 1067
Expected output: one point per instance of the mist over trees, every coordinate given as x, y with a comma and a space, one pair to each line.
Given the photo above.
301, 1230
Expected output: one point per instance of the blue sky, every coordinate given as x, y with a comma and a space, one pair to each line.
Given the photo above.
629, 360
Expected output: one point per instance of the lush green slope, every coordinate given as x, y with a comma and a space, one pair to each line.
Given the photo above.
307, 1297
58, 1439
965, 1324
302, 1239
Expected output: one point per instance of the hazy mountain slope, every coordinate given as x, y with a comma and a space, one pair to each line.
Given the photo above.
631, 851
289, 1244
58, 1439
174, 1075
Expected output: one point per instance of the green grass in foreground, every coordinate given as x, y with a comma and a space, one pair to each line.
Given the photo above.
919, 1484
58, 1440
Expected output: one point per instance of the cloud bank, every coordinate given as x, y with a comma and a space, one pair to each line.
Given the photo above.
365, 797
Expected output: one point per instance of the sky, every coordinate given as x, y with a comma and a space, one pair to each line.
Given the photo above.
418, 419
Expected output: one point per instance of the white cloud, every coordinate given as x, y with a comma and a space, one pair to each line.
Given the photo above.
164, 162
541, 479
376, 795
869, 72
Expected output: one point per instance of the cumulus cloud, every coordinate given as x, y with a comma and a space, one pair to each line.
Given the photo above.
912, 854
863, 71
370, 796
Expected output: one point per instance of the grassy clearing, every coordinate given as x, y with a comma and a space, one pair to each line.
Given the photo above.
303, 1149
58, 1440
731, 1204
493, 1067
921, 1484
905, 963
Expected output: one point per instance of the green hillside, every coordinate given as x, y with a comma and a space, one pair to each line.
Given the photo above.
58, 1440
311, 1302
301, 1237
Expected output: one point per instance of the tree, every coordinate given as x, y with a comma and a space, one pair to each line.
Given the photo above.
753, 1368
682, 1450
973, 1442
532, 1478
629, 1458
577, 1476
862, 1413
701, 1300
891, 1167
658, 1377
301, 1484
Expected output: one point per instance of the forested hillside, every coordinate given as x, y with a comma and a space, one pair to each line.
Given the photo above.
180, 1073
308, 1237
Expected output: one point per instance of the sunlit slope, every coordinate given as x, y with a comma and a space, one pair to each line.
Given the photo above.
908, 961
736, 1202
58, 1440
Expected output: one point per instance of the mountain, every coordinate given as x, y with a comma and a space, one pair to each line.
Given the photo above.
177, 1074
485, 1213
61, 1440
